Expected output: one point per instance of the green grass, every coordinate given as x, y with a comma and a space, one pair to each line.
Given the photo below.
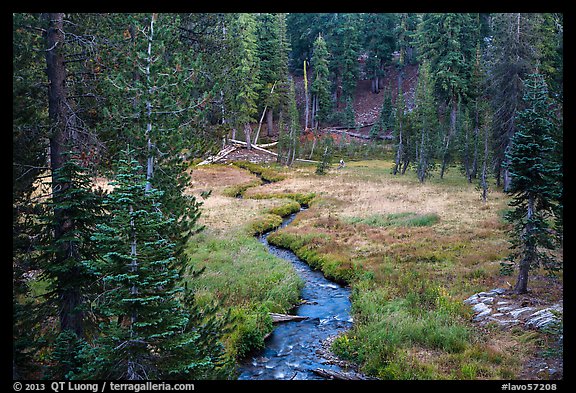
266, 173
388, 327
265, 223
238, 190
311, 248
303, 199
406, 219
241, 275
285, 209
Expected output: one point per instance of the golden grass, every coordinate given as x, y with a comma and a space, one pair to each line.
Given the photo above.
461, 252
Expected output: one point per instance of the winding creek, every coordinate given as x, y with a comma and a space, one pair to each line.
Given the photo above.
294, 349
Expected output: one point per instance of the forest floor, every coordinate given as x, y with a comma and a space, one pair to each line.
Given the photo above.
392, 266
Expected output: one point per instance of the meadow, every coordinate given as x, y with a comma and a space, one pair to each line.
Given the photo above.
411, 253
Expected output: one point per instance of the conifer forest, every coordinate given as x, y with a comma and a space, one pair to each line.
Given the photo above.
320, 196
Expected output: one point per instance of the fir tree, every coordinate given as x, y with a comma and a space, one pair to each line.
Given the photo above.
289, 138
379, 43
426, 123
64, 262
534, 182
145, 332
400, 124
326, 159
512, 57
320, 89
445, 41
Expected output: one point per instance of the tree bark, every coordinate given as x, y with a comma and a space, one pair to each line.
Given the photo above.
269, 122
307, 98
247, 134
529, 251
63, 133
150, 159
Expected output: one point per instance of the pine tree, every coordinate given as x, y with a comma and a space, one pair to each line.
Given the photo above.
534, 186
445, 40
245, 74
346, 45
512, 56
290, 133
326, 160
320, 89
272, 48
64, 262
379, 43
426, 123
399, 126
386, 117
154, 104
145, 332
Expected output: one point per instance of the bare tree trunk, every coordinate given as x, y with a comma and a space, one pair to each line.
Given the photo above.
307, 98
150, 160
484, 179
529, 252
247, 133
449, 135
314, 111
399, 152
62, 135
269, 122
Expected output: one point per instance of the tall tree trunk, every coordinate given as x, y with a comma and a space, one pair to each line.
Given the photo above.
484, 176
247, 133
314, 111
307, 98
449, 135
269, 122
61, 139
399, 152
150, 160
423, 161
528, 253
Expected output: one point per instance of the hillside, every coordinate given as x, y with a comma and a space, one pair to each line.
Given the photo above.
366, 104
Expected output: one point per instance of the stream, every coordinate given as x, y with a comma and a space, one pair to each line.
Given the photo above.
294, 349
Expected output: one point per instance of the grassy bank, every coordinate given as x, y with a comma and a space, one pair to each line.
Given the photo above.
411, 252
239, 274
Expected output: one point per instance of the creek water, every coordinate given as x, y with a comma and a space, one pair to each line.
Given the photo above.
294, 349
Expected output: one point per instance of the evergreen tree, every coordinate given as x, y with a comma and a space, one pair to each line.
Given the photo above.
512, 56
289, 140
64, 262
345, 47
154, 106
320, 89
273, 48
534, 182
425, 123
446, 41
326, 160
404, 35
386, 117
145, 331
399, 127
245, 74
379, 43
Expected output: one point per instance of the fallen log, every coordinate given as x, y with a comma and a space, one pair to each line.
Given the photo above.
268, 151
253, 146
333, 374
285, 317
221, 154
